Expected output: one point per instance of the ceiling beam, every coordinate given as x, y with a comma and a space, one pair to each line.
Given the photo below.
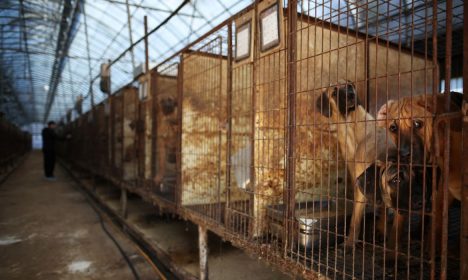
66, 33
147, 7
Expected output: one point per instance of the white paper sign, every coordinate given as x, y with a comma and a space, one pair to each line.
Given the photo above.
270, 30
243, 42
143, 93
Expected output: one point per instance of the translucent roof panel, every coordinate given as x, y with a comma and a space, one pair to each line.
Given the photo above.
52, 49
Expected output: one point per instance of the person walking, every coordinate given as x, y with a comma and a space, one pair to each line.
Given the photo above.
49, 137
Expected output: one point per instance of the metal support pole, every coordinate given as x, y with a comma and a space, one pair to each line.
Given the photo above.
229, 123
146, 46
90, 72
464, 201
203, 250
444, 191
289, 195
123, 203
130, 35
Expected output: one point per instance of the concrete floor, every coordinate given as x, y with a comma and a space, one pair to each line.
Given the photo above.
49, 231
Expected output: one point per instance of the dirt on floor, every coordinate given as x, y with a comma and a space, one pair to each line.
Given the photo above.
49, 231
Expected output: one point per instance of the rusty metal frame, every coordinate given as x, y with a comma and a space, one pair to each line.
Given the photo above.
283, 257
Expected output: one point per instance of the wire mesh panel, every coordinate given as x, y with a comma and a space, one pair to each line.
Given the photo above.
13, 144
130, 118
165, 93
116, 135
240, 196
313, 133
144, 128
101, 119
270, 116
364, 123
203, 154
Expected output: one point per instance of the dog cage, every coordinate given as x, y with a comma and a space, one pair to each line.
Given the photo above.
312, 133
144, 129
203, 103
359, 93
304, 171
165, 88
101, 134
14, 144
123, 121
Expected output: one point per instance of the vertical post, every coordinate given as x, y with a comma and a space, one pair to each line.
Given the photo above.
229, 122
88, 55
123, 202
203, 250
464, 202
110, 126
289, 194
130, 36
444, 191
435, 89
180, 94
146, 46
147, 110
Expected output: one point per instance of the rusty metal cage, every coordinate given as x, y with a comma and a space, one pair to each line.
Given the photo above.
313, 133
203, 107
165, 88
14, 144
123, 119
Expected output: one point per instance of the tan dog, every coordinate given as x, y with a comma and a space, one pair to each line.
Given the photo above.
359, 139
410, 121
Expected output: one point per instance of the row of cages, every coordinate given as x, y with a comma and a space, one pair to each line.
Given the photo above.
14, 143
312, 134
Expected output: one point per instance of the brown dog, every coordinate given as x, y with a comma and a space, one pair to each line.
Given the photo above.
359, 139
410, 121
397, 184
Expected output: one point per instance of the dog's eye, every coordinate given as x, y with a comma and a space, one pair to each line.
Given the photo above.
418, 124
393, 127
395, 180
334, 93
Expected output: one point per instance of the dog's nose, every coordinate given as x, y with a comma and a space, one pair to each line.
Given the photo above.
417, 204
405, 153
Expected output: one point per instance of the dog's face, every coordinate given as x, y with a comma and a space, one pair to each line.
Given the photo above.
409, 122
168, 105
394, 184
400, 186
338, 101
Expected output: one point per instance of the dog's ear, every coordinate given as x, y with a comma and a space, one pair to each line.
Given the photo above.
368, 183
323, 105
382, 113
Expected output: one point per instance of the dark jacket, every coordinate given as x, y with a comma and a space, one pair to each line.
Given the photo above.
49, 137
